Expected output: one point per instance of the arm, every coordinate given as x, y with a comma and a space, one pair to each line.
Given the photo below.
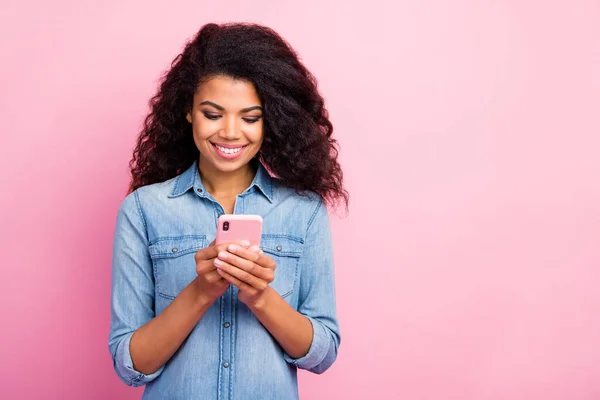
153, 344
317, 295
139, 342
292, 330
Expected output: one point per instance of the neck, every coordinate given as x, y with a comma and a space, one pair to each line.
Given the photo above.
219, 183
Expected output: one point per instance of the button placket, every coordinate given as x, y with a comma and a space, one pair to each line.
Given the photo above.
226, 370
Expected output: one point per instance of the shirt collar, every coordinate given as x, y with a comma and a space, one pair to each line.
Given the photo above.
190, 179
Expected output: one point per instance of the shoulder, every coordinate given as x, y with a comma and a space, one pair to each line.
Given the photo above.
305, 207
304, 200
158, 190
149, 196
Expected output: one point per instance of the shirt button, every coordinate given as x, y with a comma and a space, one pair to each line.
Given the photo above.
226, 364
226, 325
174, 249
278, 248
199, 190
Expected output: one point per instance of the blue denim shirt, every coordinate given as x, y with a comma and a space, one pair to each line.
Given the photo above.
228, 354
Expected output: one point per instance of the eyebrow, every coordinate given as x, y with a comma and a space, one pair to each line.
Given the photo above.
220, 108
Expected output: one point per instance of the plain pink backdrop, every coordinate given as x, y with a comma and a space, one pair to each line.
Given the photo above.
469, 267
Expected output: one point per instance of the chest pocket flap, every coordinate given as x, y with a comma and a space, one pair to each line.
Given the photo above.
173, 263
286, 251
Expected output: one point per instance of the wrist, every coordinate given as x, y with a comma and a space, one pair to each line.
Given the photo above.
200, 300
263, 301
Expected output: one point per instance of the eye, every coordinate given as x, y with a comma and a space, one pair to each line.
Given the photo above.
251, 120
212, 116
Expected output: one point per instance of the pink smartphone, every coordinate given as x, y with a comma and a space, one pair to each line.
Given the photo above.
233, 228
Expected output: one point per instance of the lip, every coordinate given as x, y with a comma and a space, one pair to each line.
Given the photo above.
225, 156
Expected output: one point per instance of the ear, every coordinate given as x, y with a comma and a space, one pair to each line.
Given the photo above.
189, 117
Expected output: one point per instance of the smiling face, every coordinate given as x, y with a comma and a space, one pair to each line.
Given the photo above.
227, 124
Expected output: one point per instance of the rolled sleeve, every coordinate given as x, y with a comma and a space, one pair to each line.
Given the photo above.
320, 356
317, 295
132, 299
124, 365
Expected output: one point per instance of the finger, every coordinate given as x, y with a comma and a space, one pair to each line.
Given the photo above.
258, 258
213, 276
243, 286
204, 266
241, 275
247, 265
210, 252
206, 254
254, 249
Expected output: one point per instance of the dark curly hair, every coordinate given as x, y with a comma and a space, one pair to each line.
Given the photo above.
298, 146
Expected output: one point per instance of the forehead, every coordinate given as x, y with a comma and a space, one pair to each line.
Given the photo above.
227, 92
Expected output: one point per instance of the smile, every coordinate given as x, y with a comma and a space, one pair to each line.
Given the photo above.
228, 150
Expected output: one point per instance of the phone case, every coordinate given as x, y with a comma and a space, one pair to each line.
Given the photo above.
233, 228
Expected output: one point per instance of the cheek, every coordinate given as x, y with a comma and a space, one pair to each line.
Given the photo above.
202, 130
257, 133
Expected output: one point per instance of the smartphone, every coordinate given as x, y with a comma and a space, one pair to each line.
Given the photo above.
233, 228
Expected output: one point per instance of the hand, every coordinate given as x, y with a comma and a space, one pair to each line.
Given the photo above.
209, 284
249, 269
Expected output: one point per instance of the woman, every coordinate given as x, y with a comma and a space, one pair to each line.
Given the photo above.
237, 126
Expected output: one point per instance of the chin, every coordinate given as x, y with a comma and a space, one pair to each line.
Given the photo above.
228, 166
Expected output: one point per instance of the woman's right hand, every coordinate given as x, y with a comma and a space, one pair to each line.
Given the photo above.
209, 284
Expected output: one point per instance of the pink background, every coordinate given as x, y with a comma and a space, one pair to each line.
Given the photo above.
469, 266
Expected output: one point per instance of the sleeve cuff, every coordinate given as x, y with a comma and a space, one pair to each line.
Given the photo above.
317, 351
124, 366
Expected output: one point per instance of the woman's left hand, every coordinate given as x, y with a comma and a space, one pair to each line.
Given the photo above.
249, 269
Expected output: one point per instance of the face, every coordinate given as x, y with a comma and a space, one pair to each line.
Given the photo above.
227, 123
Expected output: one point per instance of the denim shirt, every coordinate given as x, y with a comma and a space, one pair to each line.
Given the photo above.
228, 354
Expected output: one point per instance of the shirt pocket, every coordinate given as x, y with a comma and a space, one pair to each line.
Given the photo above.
285, 251
174, 264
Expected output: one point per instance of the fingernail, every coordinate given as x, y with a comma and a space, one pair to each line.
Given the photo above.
232, 248
223, 255
255, 249
218, 262
245, 243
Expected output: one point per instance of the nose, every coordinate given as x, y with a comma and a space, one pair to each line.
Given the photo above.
230, 129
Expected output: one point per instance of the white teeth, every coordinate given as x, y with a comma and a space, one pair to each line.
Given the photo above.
227, 150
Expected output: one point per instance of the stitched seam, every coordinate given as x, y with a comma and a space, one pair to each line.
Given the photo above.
155, 272
222, 334
312, 218
175, 255
310, 221
298, 263
292, 254
163, 238
165, 296
297, 269
232, 346
139, 207
282, 236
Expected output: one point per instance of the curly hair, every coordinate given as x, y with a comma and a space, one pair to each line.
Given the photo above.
298, 146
